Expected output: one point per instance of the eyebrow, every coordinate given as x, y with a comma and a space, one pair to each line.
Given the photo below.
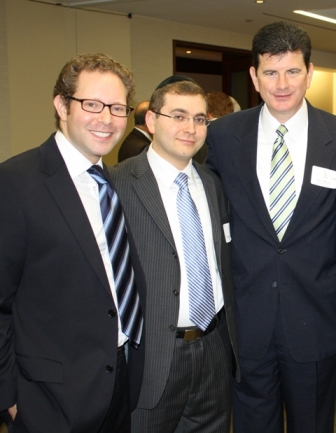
182, 111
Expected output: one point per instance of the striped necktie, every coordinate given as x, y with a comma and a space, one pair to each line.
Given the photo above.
282, 185
115, 230
200, 290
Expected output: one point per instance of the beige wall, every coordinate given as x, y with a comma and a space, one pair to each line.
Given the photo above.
5, 137
322, 89
37, 39
40, 39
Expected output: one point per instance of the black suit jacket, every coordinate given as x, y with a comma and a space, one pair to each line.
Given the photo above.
139, 193
58, 329
133, 144
298, 275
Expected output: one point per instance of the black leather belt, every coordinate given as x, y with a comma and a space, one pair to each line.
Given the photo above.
194, 333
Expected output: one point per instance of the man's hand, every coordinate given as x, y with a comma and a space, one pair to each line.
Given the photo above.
12, 411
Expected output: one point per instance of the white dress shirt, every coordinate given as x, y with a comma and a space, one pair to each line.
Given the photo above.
88, 191
165, 174
296, 141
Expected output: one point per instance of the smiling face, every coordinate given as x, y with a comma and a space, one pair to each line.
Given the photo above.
282, 81
93, 134
174, 142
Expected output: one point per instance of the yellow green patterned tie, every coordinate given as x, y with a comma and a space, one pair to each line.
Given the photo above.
282, 185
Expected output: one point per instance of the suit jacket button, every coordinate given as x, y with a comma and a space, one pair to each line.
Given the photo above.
275, 284
176, 292
112, 313
174, 255
172, 327
109, 369
281, 250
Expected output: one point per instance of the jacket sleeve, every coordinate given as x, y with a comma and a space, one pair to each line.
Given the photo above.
12, 247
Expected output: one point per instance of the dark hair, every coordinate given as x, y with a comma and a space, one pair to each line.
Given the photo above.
280, 38
67, 80
140, 113
219, 104
179, 88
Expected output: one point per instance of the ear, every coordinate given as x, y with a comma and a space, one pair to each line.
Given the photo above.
310, 74
254, 77
150, 121
61, 108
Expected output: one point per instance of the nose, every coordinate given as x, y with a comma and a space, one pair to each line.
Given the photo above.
190, 126
105, 116
282, 82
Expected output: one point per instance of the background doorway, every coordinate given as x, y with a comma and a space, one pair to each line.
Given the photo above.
217, 69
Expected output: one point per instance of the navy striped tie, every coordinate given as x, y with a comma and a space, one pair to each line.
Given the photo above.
282, 185
118, 246
201, 298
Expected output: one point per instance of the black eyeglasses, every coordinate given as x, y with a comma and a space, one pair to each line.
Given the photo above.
183, 120
92, 106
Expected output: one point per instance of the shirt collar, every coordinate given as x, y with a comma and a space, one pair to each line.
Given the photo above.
165, 172
74, 160
295, 124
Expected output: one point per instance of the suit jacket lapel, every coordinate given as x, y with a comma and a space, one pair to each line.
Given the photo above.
211, 194
244, 154
66, 196
320, 152
146, 187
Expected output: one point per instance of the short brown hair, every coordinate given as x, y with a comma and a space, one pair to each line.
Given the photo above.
67, 80
179, 88
219, 104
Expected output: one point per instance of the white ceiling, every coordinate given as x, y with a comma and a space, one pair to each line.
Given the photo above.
243, 16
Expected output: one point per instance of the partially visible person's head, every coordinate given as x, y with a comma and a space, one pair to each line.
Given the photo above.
91, 99
280, 38
281, 73
140, 113
67, 81
177, 118
219, 104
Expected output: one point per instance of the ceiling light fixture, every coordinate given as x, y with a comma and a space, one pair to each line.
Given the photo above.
188, 52
260, 1
316, 16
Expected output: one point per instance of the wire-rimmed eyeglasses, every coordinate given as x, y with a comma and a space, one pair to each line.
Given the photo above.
93, 106
183, 120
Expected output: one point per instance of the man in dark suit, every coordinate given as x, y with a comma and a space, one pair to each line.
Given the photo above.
188, 365
62, 332
139, 137
283, 227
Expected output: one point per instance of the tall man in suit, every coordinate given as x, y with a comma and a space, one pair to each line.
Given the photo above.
62, 328
283, 227
186, 386
139, 137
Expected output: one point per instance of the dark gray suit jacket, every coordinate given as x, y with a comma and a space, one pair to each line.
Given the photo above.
58, 326
139, 193
298, 275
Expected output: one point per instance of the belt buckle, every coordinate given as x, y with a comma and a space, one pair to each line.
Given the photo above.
192, 334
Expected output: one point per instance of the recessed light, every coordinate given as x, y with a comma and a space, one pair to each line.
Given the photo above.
316, 16
188, 52
260, 1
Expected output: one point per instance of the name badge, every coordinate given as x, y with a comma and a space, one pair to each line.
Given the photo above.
323, 177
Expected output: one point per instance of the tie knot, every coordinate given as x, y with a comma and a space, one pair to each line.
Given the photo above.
282, 130
182, 180
96, 172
